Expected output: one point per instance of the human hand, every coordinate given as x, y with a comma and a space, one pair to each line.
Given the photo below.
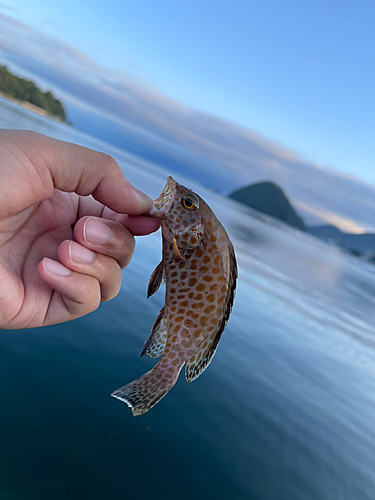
61, 250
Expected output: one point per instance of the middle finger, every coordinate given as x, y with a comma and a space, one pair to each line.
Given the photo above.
106, 237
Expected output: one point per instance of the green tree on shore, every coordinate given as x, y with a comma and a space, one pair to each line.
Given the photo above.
26, 90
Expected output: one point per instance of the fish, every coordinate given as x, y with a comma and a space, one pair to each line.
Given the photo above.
199, 269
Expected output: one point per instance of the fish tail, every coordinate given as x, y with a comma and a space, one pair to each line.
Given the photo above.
144, 392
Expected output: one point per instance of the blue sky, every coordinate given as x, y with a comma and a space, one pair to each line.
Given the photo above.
301, 72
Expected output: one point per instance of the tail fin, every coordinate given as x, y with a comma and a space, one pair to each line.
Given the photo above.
144, 392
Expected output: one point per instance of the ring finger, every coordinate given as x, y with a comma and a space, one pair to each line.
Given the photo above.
83, 260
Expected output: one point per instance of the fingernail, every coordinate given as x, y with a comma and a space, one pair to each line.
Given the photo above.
96, 232
142, 196
54, 267
80, 254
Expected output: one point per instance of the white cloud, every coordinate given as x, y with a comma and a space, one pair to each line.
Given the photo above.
332, 218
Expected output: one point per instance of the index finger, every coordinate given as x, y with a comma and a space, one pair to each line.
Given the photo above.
72, 168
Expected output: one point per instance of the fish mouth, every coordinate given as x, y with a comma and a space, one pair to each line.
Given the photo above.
161, 203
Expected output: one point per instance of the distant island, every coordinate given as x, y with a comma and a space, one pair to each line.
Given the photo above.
27, 92
359, 245
270, 199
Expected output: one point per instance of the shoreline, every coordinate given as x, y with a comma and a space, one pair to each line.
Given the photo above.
31, 107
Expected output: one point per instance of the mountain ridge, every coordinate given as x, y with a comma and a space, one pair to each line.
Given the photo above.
269, 198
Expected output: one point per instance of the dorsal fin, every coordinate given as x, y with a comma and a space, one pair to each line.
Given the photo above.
201, 359
155, 344
155, 279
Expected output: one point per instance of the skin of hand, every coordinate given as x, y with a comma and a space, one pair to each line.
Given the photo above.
68, 217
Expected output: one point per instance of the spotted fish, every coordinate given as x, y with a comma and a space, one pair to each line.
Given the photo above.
200, 272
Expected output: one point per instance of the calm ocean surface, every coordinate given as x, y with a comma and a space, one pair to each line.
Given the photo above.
286, 411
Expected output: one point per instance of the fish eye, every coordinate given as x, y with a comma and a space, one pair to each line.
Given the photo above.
189, 203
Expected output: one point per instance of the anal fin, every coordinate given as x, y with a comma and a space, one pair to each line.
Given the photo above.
155, 344
155, 279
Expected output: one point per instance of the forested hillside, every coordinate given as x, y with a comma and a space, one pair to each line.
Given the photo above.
26, 90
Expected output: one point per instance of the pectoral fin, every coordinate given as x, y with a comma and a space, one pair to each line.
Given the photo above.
155, 344
155, 279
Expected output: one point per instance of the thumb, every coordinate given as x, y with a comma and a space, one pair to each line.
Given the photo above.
55, 164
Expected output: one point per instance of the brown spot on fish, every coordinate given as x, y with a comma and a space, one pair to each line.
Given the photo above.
201, 287
206, 259
207, 278
197, 305
211, 297
203, 320
184, 333
209, 309
192, 281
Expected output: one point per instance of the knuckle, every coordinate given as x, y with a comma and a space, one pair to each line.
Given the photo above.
114, 291
127, 253
93, 296
110, 162
112, 288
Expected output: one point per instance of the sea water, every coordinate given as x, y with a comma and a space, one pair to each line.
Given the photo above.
285, 411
